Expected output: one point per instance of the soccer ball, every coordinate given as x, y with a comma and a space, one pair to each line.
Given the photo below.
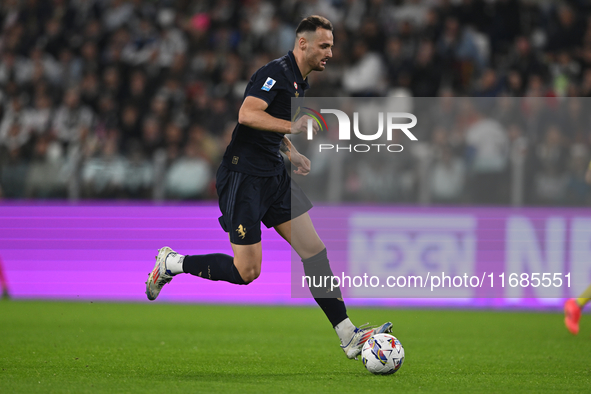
382, 354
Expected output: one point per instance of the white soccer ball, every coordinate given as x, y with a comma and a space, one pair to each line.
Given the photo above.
382, 354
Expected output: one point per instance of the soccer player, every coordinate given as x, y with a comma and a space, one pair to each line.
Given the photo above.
574, 306
254, 186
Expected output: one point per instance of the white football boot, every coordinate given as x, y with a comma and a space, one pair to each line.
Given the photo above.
360, 336
160, 275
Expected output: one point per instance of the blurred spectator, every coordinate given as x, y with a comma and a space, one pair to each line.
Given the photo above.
13, 172
426, 75
578, 191
130, 126
90, 58
72, 120
487, 150
89, 91
566, 29
172, 93
111, 83
142, 46
107, 116
54, 40
138, 173
138, 92
398, 66
151, 136
550, 179
447, 178
103, 176
159, 109
488, 85
8, 67
13, 132
586, 84
173, 137
365, 77
375, 181
279, 39
460, 53
564, 72
189, 176
15, 136
46, 177
207, 145
514, 85
37, 120
117, 14
170, 44
220, 115
505, 23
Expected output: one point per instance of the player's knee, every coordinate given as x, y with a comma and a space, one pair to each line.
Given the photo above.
250, 269
311, 249
250, 274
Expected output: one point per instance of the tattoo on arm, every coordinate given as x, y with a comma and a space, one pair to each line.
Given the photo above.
283, 148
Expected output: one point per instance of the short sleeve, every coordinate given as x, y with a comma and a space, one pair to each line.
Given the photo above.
266, 83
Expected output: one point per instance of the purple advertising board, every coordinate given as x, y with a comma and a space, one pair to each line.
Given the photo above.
492, 256
105, 252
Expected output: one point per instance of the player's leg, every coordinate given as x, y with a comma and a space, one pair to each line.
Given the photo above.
240, 203
241, 269
573, 308
302, 235
241, 217
215, 266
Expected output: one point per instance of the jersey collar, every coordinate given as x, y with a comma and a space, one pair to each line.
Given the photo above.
296, 71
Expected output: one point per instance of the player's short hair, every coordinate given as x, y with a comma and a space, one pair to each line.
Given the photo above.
312, 23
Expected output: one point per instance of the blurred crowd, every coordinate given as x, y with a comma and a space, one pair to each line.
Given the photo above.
137, 98
470, 150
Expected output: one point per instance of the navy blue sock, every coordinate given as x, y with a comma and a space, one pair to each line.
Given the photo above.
331, 302
215, 266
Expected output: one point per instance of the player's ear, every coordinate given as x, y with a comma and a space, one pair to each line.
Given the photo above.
302, 43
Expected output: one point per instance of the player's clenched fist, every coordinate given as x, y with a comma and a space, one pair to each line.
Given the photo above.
301, 125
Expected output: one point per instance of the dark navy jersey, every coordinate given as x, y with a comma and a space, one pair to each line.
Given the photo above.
256, 152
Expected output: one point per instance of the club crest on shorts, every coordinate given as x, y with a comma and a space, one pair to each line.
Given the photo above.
241, 231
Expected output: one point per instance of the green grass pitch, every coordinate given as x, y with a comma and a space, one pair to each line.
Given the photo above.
58, 347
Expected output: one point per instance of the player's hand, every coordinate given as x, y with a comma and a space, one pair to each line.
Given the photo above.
301, 162
301, 125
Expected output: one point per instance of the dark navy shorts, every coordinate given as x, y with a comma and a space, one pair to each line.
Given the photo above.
247, 200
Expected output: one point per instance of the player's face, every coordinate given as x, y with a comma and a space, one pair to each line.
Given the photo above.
319, 49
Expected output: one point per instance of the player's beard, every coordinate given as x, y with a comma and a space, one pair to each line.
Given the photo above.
318, 66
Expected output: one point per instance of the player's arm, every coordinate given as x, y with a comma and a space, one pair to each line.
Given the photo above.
297, 159
252, 114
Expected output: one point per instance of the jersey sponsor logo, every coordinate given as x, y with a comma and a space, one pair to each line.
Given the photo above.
241, 231
268, 84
